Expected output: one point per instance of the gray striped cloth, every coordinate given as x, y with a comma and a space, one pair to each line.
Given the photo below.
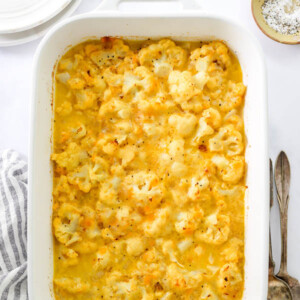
13, 226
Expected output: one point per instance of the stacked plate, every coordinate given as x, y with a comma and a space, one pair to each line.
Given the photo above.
22, 21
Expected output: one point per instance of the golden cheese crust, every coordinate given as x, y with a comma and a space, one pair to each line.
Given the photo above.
149, 169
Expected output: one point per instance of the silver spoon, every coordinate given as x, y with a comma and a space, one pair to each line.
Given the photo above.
282, 181
277, 288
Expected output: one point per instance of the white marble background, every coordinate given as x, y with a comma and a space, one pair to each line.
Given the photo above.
283, 65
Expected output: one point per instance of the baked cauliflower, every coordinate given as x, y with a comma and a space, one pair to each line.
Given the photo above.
230, 170
72, 285
71, 157
144, 188
214, 230
66, 224
227, 140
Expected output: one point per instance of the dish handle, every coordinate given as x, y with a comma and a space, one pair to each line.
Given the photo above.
114, 5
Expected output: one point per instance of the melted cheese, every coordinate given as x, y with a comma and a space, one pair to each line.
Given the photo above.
148, 153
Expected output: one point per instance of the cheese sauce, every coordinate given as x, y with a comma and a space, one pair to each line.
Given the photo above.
149, 171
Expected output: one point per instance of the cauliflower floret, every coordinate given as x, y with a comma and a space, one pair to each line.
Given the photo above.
85, 247
233, 98
87, 176
105, 213
127, 154
110, 52
124, 127
200, 79
112, 78
185, 244
63, 77
78, 132
163, 57
231, 170
118, 286
152, 130
198, 62
85, 99
176, 149
188, 221
179, 193
175, 277
72, 285
182, 86
140, 80
213, 52
66, 224
184, 125
109, 191
135, 246
107, 234
169, 249
180, 279
160, 225
66, 64
212, 117
197, 186
123, 213
227, 140
109, 144
230, 280
99, 84
126, 289
178, 169
144, 188
62, 187
68, 257
233, 118
64, 109
223, 192
114, 108
198, 250
232, 251
203, 130
76, 83
99, 171
103, 258
214, 230
88, 142
81, 178
70, 158
207, 293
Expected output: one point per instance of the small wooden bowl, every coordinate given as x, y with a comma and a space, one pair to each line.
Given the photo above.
267, 30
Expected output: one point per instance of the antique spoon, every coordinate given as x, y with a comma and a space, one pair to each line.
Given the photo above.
277, 288
282, 181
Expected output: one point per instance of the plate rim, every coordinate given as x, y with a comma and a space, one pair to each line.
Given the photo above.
40, 20
33, 35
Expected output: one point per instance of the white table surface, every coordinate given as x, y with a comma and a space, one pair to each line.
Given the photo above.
283, 65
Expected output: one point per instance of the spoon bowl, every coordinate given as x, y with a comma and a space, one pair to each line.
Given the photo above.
282, 180
256, 6
278, 289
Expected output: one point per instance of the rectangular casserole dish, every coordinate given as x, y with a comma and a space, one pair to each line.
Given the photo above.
185, 25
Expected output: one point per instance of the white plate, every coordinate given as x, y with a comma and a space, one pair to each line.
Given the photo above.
17, 38
20, 15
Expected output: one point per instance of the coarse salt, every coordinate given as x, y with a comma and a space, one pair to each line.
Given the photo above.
282, 15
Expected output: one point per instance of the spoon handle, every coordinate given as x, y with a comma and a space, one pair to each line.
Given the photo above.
271, 261
282, 181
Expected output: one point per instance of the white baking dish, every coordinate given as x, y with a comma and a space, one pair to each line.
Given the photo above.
186, 25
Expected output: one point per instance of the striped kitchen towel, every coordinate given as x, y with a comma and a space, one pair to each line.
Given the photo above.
13, 226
